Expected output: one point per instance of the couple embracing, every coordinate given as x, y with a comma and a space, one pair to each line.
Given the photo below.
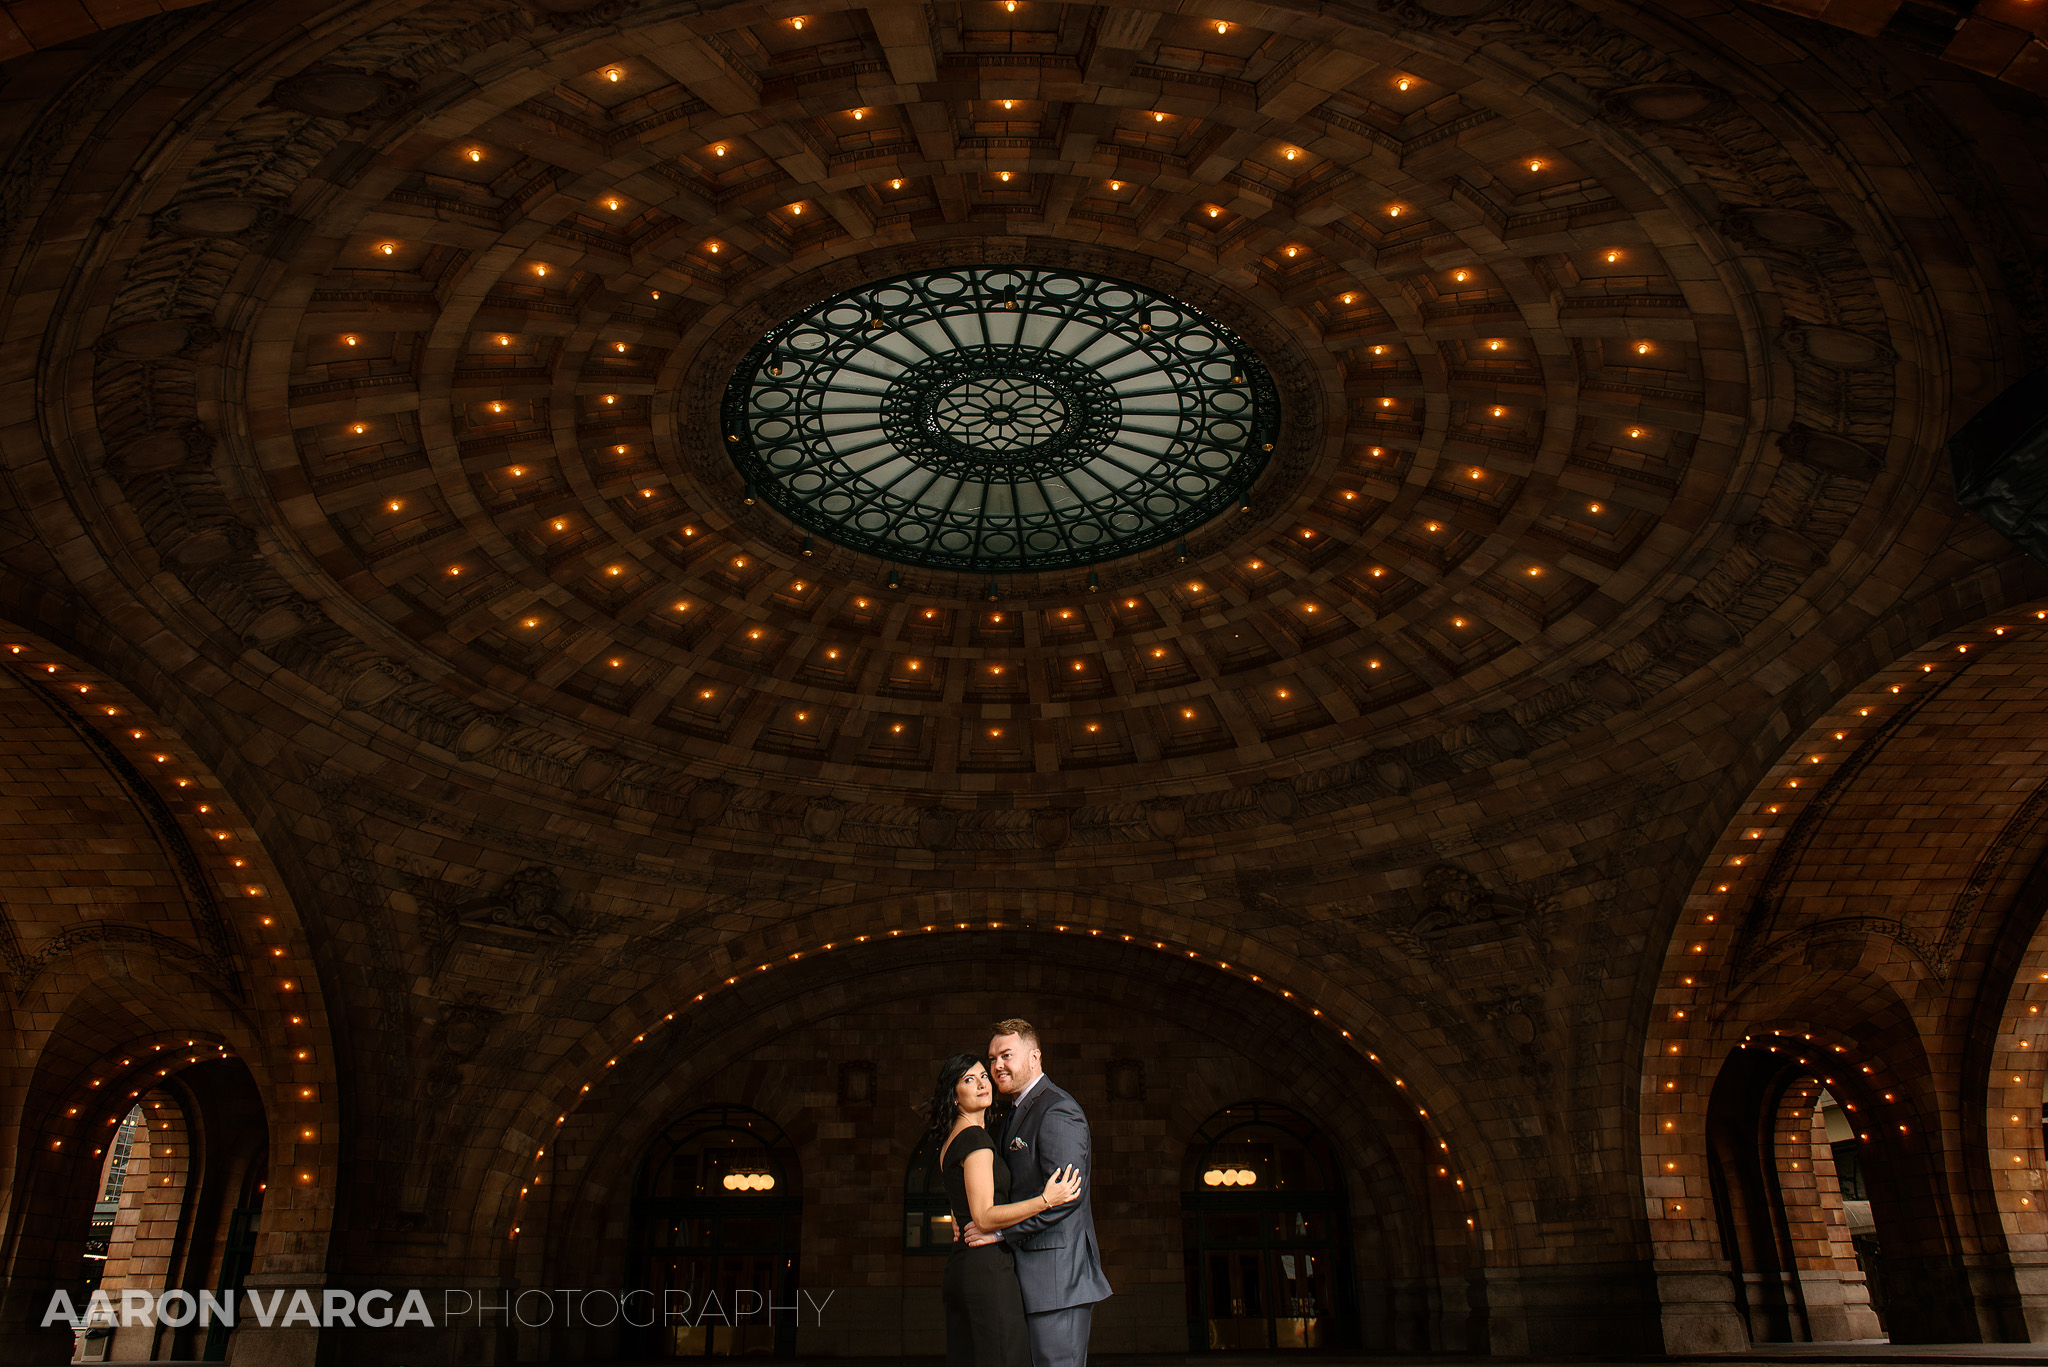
1024, 1275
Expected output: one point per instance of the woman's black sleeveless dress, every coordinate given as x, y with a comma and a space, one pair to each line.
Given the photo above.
984, 1307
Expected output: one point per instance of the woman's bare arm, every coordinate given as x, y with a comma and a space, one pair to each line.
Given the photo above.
979, 1168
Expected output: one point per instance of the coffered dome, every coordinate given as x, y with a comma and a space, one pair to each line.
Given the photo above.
1243, 391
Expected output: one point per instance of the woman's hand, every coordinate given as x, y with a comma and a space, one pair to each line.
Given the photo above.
1063, 1186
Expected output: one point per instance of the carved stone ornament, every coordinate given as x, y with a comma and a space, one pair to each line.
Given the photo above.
492, 950
707, 802
594, 772
159, 338
195, 545
181, 447
528, 900
1784, 547
1836, 348
1050, 827
574, 14
1167, 818
278, 622
1697, 621
1664, 102
1504, 733
1799, 229
936, 827
482, 735
1830, 454
1607, 685
1278, 800
1436, 13
465, 1026
219, 217
823, 817
343, 93
377, 682
1392, 770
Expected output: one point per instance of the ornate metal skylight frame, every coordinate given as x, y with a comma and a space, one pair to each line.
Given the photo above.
1001, 418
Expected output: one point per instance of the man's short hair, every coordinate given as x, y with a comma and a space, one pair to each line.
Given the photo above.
1022, 1029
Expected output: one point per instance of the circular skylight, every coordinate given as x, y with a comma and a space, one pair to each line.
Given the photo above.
1000, 418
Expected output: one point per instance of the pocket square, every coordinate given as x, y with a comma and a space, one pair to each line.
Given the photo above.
1018, 1143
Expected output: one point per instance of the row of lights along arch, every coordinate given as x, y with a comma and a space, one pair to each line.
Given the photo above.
1238, 1177
146, 754
1791, 1041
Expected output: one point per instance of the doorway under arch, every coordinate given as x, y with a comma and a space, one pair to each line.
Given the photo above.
718, 1209
1266, 1234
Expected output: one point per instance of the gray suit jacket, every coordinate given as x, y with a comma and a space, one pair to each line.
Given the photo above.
1058, 1265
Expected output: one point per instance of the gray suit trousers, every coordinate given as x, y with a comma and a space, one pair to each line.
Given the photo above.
1059, 1338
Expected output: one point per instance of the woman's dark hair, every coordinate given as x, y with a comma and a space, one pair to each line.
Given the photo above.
944, 1107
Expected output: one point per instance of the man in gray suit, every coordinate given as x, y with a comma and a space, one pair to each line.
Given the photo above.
1058, 1264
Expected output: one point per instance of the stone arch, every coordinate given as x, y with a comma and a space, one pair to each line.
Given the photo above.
1849, 914
1417, 1251
155, 946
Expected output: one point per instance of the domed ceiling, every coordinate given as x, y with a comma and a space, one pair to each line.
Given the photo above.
403, 380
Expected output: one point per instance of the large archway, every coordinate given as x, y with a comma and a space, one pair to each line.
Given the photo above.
155, 961
1152, 1045
1867, 926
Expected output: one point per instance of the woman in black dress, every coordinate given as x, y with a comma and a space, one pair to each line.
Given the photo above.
984, 1308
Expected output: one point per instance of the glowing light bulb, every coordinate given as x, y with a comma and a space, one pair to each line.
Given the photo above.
1612, 257
798, 24
1222, 27
1003, 176
612, 204
540, 270
1290, 154
1461, 276
1493, 346
1535, 165
1347, 298
358, 429
1158, 117
1215, 212
859, 114
389, 248
349, 340
1116, 185
1642, 348
895, 184
1403, 85
1293, 251
613, 74
713, 248
1393, 211
475, 154
1009, 104
718, 151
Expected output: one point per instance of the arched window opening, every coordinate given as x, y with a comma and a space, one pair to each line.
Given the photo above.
927, 1211
1266, 1233
718, 1207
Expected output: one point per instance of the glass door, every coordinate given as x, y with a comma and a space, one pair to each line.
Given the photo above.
1265, 1234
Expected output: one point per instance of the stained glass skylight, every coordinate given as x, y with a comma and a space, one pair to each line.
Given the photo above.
1000, 418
